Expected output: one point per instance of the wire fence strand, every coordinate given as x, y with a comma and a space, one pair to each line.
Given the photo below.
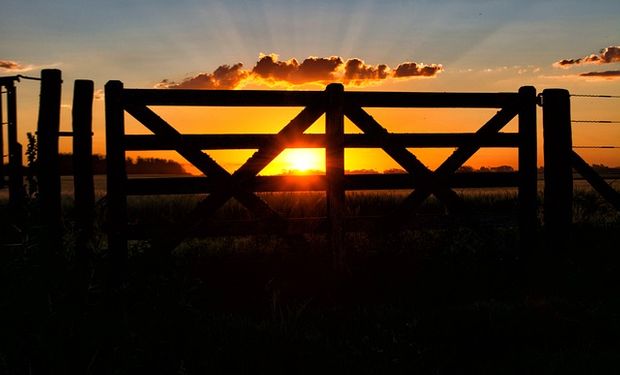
595, 96
596, 121
608, 147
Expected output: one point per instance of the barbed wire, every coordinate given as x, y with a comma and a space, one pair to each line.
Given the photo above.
595, 96
596, 121
28, 77
608, 147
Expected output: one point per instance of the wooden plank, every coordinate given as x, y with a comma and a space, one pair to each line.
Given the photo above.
229, 185
528, 169
598, 183
16, 176
83, 182
199, 159
460, 156
223, 98
82, 115
319, 225
116, 220
429, 99
204, 185
2, 169
211, 228
83, 179
405, 158
334, 171
255, 141
558, 149
48, 168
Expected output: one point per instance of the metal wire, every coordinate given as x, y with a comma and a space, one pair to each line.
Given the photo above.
596, 121
596, 146
28, 77
596, 96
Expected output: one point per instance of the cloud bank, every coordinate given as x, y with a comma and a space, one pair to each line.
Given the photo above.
269, 70
606, 56
609, 74
9, 66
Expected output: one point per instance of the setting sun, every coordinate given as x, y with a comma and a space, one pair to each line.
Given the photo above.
304, 159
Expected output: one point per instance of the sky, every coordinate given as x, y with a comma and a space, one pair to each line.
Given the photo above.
388, 45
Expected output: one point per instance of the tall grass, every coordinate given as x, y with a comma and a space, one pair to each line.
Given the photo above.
441, 300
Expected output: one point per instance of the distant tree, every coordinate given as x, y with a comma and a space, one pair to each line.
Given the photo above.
465, 169
361, 171
394, 171
138, 166
502, 168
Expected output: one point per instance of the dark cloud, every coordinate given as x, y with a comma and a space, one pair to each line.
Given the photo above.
316, 69
11, 65
610, 74
269, 67
606, 56
270, 70
356, 71
312, 69
411, 69
223, 78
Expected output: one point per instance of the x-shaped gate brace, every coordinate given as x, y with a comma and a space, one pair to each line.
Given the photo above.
429, 182
227, 185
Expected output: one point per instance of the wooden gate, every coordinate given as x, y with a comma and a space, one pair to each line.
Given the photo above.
335, 103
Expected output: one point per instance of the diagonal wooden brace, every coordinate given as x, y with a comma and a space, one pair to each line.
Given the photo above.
231, 185
425, 178
259, 160
199, 159
462, 154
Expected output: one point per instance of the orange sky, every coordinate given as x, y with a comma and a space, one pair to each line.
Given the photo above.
387, 45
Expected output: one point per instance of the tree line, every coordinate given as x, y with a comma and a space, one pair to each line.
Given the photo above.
139, 165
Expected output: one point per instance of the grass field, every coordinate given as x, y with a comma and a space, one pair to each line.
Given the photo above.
440, 300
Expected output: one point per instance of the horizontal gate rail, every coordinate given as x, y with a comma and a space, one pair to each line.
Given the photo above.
430, 99
396, 181
335, 104
222, 98
255, 141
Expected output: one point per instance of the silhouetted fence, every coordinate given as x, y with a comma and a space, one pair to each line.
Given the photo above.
47, 169
245, 183
560, 160
15, 160
335, 104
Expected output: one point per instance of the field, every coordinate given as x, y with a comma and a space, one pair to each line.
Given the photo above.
443, 299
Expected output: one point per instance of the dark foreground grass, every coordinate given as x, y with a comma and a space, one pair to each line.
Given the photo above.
441, 300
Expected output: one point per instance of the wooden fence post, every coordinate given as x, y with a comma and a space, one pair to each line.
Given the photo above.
528, 172
2, 172
334, 158
84, 190
16, 175
116, 221
558, 203
48, 162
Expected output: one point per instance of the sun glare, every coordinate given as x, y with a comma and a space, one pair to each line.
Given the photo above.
304, 160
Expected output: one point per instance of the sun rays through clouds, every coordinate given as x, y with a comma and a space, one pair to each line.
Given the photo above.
270, 71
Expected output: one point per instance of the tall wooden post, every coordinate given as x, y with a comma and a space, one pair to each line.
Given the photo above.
116, 220
334, 157
47, 157
83, 183
2, 173
558, 204
16, 175
528, 172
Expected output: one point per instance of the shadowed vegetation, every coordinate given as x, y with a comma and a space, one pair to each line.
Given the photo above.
442, 300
